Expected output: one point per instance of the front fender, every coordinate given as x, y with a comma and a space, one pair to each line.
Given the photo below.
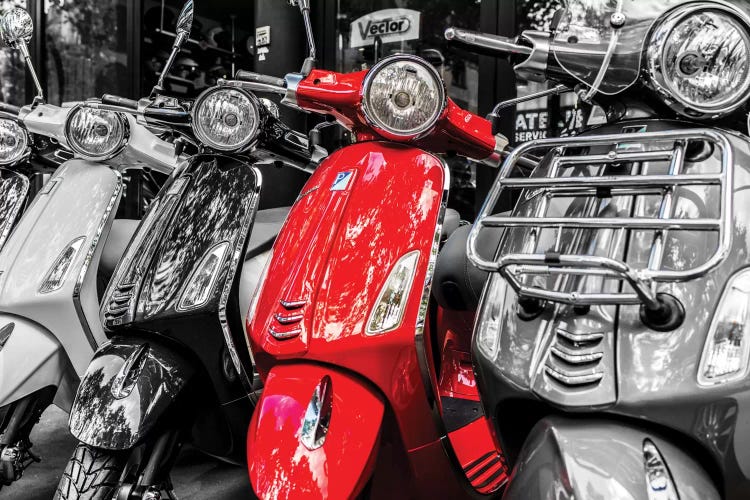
128, 386
30, 359
567, 459
282, 467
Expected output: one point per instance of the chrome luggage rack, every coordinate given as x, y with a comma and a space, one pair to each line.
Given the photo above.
515, 266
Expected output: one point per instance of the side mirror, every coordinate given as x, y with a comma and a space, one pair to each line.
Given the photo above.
16, 29
184, 25
185, 21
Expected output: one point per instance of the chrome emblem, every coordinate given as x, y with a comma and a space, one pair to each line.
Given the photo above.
318, 415
5, 333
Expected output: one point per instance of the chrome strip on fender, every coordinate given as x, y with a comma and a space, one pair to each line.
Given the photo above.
87, 262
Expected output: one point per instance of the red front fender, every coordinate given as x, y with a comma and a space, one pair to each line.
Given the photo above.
282, 467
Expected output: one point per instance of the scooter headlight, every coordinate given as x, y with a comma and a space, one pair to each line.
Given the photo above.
699, 58
403, 96
226, 119
96, 134
14, 142
389, 308
727, 349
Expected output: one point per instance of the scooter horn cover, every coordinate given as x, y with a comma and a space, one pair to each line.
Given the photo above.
128, 386
314, 434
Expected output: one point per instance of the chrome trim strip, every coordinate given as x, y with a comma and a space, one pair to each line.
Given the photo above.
87, 261
514, 267
229, 283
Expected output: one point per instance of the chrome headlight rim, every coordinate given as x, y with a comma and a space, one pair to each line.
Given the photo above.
86, 155
384, 129
207, 141
656, 55
25, 151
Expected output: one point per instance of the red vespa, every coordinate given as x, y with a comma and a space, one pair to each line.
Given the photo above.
368, 384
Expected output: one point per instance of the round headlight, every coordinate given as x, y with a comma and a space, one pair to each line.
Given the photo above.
226, 119
403, 96
14, 142
699, 59
95, 134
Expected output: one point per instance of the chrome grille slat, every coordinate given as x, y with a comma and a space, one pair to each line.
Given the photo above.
574, 358
574, 378
559, 180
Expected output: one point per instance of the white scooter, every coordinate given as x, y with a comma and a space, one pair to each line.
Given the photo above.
49, 266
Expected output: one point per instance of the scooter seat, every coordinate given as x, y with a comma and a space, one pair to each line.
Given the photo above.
458, 284
114, 248
451, 222
266, 228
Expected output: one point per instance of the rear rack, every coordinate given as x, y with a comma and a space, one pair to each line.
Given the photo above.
516, 266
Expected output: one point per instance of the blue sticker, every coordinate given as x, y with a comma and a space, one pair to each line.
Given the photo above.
342, 181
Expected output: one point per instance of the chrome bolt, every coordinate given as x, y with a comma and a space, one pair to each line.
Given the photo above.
617, 20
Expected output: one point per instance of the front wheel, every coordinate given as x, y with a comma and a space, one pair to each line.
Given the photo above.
91, 474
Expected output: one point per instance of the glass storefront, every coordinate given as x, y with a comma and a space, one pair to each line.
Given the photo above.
12, 72
86, 49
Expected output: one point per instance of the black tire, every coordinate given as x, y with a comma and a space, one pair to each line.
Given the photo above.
91, 474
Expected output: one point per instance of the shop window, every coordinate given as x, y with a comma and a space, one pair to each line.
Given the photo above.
86, 49
219, 43
369, 30
12, 69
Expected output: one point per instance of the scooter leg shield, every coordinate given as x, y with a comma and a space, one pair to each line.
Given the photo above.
567, 459
314, 434
127, 387
30, 359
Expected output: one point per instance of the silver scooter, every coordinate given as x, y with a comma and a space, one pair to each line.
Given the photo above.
610, 347
50, 264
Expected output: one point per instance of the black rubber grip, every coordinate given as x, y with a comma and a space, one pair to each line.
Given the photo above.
114, 100
9, 108
249, 76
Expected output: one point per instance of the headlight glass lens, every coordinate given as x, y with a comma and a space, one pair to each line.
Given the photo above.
727, 349
403, 95
96, 134
705, 61
225, 119
13, 142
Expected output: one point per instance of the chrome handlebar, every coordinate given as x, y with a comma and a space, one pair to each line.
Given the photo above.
486, 41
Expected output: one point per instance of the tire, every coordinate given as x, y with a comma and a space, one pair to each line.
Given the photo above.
91, 474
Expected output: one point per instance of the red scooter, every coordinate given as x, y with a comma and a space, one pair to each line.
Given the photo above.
368, 384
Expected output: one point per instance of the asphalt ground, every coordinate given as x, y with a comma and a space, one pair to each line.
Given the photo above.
196, 476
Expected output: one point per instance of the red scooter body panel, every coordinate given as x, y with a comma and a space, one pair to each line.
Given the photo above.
281, 467
331, 261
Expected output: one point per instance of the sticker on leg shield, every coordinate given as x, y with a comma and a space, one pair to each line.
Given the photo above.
342, 181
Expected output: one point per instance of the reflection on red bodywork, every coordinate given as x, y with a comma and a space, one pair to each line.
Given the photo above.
281, 467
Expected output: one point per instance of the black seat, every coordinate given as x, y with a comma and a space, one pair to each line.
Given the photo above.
451, 221
458, 284
120, 234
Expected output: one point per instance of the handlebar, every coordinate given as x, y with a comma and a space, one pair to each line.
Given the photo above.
259, 83
9, 108
113, 100
493, 43
249, 76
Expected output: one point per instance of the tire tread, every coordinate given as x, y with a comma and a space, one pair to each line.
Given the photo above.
91, 474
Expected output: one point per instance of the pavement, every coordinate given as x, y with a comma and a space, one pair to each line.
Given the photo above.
196, 476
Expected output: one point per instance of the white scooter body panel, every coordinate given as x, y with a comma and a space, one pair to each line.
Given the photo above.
42, 357
79, 201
